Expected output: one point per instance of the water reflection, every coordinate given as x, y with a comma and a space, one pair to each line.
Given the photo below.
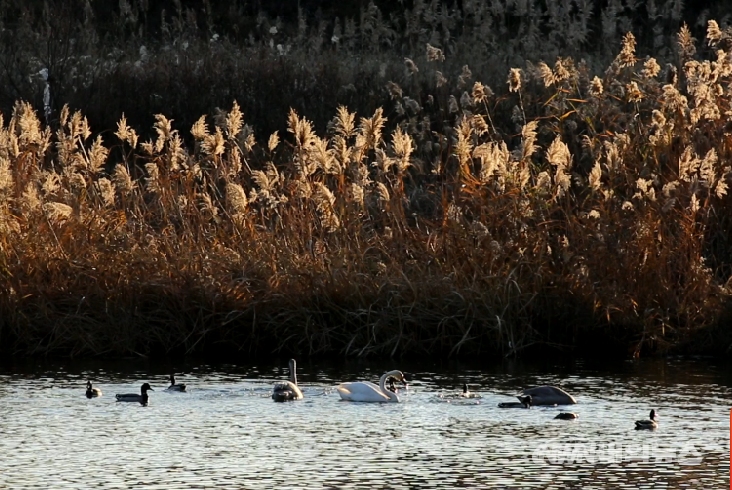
227, 433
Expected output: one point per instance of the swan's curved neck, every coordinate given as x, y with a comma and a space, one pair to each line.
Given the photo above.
382, 386
293, 374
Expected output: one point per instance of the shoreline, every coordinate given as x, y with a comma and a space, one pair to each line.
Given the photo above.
234, 336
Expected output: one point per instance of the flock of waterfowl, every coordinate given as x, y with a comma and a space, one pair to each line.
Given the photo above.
142, 398
386, 391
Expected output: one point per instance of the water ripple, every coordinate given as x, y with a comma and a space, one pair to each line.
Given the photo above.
227, 433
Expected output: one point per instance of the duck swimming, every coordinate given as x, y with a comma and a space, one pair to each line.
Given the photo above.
468, 394
465, 393
142, 398
365, 391
524, 402
286, 391
649, 424
567, 416
92, 392
175, 387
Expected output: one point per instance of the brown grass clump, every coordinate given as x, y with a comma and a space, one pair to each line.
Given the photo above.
566, 208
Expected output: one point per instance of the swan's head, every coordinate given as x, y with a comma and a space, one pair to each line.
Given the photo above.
398, 376
526, 400
292, 364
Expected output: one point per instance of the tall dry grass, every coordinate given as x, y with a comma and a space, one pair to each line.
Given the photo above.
565, 207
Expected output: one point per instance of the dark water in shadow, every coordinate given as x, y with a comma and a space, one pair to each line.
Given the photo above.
227, 433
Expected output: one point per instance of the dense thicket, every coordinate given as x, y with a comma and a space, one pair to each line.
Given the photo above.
184, 58
441, 181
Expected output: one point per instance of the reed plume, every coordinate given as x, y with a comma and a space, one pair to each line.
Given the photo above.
572, 202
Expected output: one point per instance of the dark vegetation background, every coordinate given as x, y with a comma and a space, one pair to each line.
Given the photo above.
201, 54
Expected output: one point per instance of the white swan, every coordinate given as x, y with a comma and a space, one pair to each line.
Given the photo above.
285, 391
365, 391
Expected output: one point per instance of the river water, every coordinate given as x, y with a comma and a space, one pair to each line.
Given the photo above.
226, 432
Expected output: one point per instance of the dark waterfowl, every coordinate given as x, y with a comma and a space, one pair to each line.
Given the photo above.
286, 391
142, 398
465, 393
649, 424
567, 416
524, 402
549, 395
468, 394
92, 392
175, 387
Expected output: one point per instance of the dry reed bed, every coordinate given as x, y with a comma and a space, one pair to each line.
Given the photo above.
564, 210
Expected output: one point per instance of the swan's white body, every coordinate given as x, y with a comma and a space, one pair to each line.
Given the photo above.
288, 390
365, 391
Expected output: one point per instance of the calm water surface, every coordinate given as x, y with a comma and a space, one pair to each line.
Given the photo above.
227, 433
